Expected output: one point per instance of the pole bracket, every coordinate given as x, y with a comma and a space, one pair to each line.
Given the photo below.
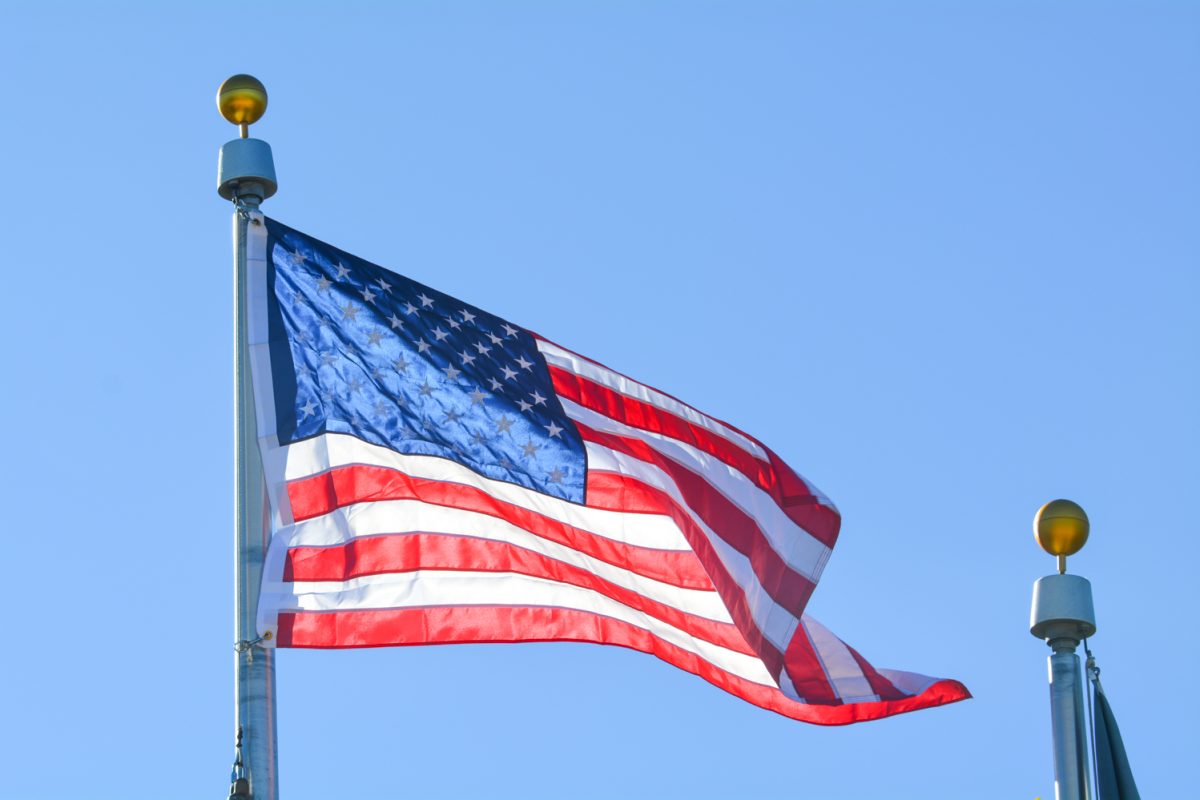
247, 646
245, 211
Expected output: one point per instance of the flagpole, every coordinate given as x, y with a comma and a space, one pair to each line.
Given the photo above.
1062, 615
246, 175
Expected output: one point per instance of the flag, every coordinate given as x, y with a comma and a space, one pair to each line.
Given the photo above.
437, 474
1114, 776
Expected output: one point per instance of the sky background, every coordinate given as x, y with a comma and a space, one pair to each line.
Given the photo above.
942, 257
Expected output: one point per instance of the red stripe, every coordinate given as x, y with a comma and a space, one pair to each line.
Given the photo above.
476, 624
806, 671
343, 486
776, 478
612, 490
796, 499
879, 684
789, 588
377, 555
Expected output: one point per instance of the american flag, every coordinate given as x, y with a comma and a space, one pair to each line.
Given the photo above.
437, 474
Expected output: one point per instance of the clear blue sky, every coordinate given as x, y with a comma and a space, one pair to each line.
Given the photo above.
941, 256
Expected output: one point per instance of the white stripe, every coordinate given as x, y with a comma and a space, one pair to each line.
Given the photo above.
788, 688
796, 546
321, 453
774, 621
638, 391
908, 682
845, 675
416, 589
399, 516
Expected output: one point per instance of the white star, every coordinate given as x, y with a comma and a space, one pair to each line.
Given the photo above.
367, 294
374, 337
426, 389
453, 416
556, 475
538, 400
355, 385
350, 312
477, 397
308, 409
524, 406
509, 374
453, 323
384, 286
422, 345
509, 329
495, 384
553, 429
503, 424
482, 348
495, 339
396, 322
323, 284
467, 316
451, 372
298, 258
530, 449
523, 363
342, 272
400, 364
467, 358
426, 302
439, 334
328, 358
409, 309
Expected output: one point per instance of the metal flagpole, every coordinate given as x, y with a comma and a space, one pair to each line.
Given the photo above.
246, 175
1062, 615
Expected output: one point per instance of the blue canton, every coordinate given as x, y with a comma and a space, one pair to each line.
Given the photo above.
359, 350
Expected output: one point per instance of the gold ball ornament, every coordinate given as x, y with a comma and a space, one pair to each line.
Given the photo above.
1061, 528
242, 100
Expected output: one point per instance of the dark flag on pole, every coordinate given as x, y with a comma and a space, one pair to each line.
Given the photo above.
1114, 778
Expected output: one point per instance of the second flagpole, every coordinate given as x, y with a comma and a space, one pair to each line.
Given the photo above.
246, 175
1062, 615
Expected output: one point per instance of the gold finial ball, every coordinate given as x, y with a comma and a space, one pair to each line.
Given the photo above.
1061, 527
242, 99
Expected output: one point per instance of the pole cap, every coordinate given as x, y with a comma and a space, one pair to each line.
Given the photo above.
242, 99
1061, 528
1062, 608
245, 167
